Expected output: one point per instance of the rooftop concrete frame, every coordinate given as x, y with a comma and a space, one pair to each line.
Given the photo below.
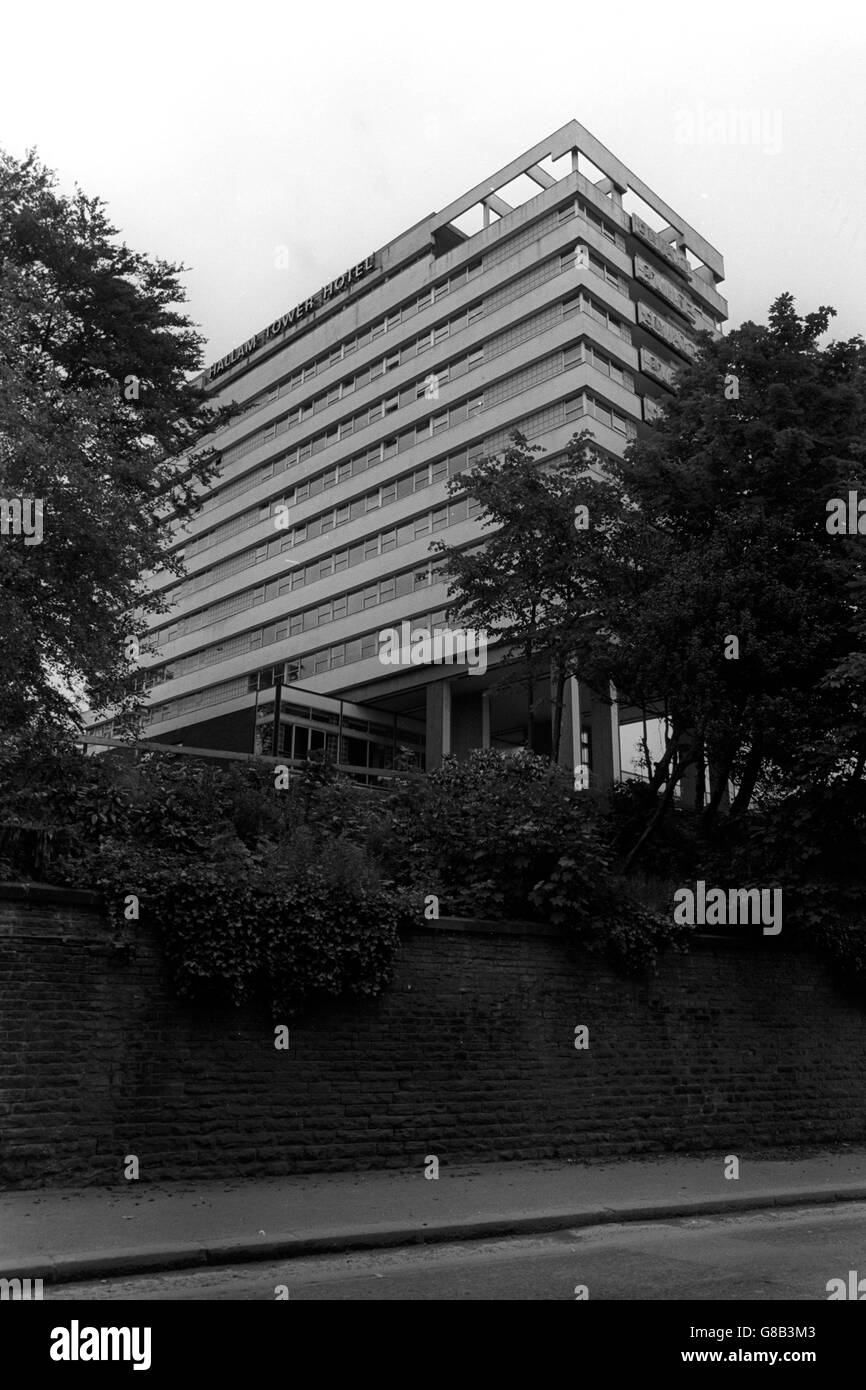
571, 138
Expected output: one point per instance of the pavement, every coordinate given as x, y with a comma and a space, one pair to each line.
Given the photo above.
83, 1233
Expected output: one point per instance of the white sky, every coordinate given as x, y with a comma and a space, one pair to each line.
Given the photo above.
218, 132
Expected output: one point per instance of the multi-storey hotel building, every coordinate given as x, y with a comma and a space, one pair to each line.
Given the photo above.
561, 293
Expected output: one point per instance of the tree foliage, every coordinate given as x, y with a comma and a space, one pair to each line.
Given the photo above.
96, 403
707, 588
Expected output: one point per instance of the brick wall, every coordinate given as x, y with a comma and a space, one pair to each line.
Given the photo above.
469, 1056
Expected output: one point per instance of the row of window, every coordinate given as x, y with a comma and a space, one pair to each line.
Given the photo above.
539, 423
385, 405
335, 562
425, 476
420, 478
506, 248
425, 429
503, 250
331, 658
304, 620
497, 300
585, 404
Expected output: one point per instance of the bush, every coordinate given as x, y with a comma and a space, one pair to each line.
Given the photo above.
245, 926
504, 835
255, 892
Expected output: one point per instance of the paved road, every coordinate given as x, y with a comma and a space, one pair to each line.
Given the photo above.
778, 1254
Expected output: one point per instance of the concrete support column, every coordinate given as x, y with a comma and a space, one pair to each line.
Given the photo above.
715, 774
467, 718
485, 719
600, 719
438, 723
688, 786
569, 743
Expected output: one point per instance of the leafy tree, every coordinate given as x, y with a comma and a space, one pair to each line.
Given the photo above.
533, 575
735, 487
96, 403
707, 588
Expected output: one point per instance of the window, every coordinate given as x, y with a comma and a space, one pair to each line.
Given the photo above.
372, 501
392, 404
475, 406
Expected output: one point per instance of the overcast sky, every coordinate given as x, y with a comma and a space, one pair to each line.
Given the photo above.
219, 132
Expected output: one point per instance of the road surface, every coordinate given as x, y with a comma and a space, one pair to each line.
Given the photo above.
784, 1253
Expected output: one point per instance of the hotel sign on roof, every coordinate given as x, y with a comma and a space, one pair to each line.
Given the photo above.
294, 316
